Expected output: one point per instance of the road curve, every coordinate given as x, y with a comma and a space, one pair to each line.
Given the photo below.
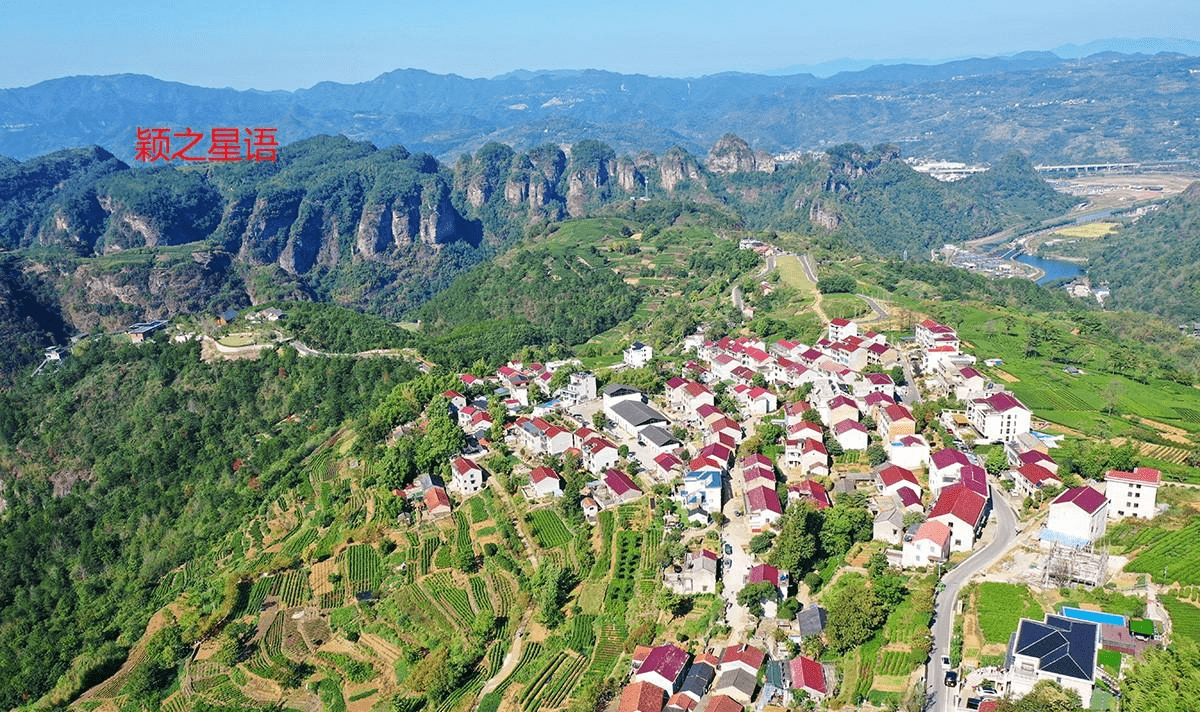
939, 697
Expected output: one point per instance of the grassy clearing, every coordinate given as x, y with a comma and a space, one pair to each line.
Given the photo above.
1185, 618
1094, 229
1000, 606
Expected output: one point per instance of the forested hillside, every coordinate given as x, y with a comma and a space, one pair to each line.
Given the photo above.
382, 231
1153, 264
130, 461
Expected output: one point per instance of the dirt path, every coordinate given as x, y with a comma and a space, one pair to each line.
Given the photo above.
511, 659
157, 622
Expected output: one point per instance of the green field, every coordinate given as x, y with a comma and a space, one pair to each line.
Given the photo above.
844, 306
1173, 556
1000, 606
1185, 618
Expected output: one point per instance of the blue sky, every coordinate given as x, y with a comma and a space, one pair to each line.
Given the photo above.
268, 44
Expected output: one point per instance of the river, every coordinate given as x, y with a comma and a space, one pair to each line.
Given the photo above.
1054, 269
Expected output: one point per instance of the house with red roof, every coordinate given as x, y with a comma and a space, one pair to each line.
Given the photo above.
851, 435
437, 503
1036, 457
999, 417
945, 468
763, 507
765, 573
882, 354
664, 668
891, 479
930, 545
930, 333
808, 675
812, 491
1133, 494
839, 408
724, 428
621, 485
808, 455
599, 454
641, 697
964, 511
894, 421
742, 657
456, 400
668, 465
1028, 480
874, 402
842, 328
680, 702
908, 451
466, 477
1078, 516
545, 482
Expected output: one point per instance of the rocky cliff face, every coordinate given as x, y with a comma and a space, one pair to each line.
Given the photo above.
731, 154
677, 166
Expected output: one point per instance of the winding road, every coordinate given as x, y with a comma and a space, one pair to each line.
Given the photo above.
940, 698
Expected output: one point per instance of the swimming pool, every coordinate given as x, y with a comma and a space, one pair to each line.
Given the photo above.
1080, 614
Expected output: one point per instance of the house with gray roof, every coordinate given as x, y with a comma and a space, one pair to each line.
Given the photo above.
1059, 649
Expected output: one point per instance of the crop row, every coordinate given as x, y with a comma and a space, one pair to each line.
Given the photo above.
896, 662
443, 590
363, 568
528, 654
292, 588
428, 547
564, 681
503, 601
582, 635
1174, 557
549, 529
299, 541
254, 597
529, 698
479, 593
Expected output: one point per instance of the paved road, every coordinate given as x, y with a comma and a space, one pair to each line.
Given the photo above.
913, 390
808, 269
880, 312
939, 697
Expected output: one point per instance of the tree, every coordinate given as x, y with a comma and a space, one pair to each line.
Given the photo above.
752, 595
599, 420
1049, 696
1165, 679
811, 416
876, 455
762, 542
796, 547
841, 527
855, 613
996, 462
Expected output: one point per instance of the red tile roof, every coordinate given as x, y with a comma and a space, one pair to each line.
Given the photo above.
761, 573
746, 654
665, 660
680, 701
808, 674
542, 473
893, 474
1140, 475
724, 703
840, 322
436, 497
947, 457
961, 502
668, 462
764, 498
1086, 498
619, 482
641, 697
975, 479
1002, 402
934, 531
847, 425
1036, 474
813, 490
909, 497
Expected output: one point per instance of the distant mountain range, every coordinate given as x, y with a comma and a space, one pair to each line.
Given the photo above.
1102, 107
